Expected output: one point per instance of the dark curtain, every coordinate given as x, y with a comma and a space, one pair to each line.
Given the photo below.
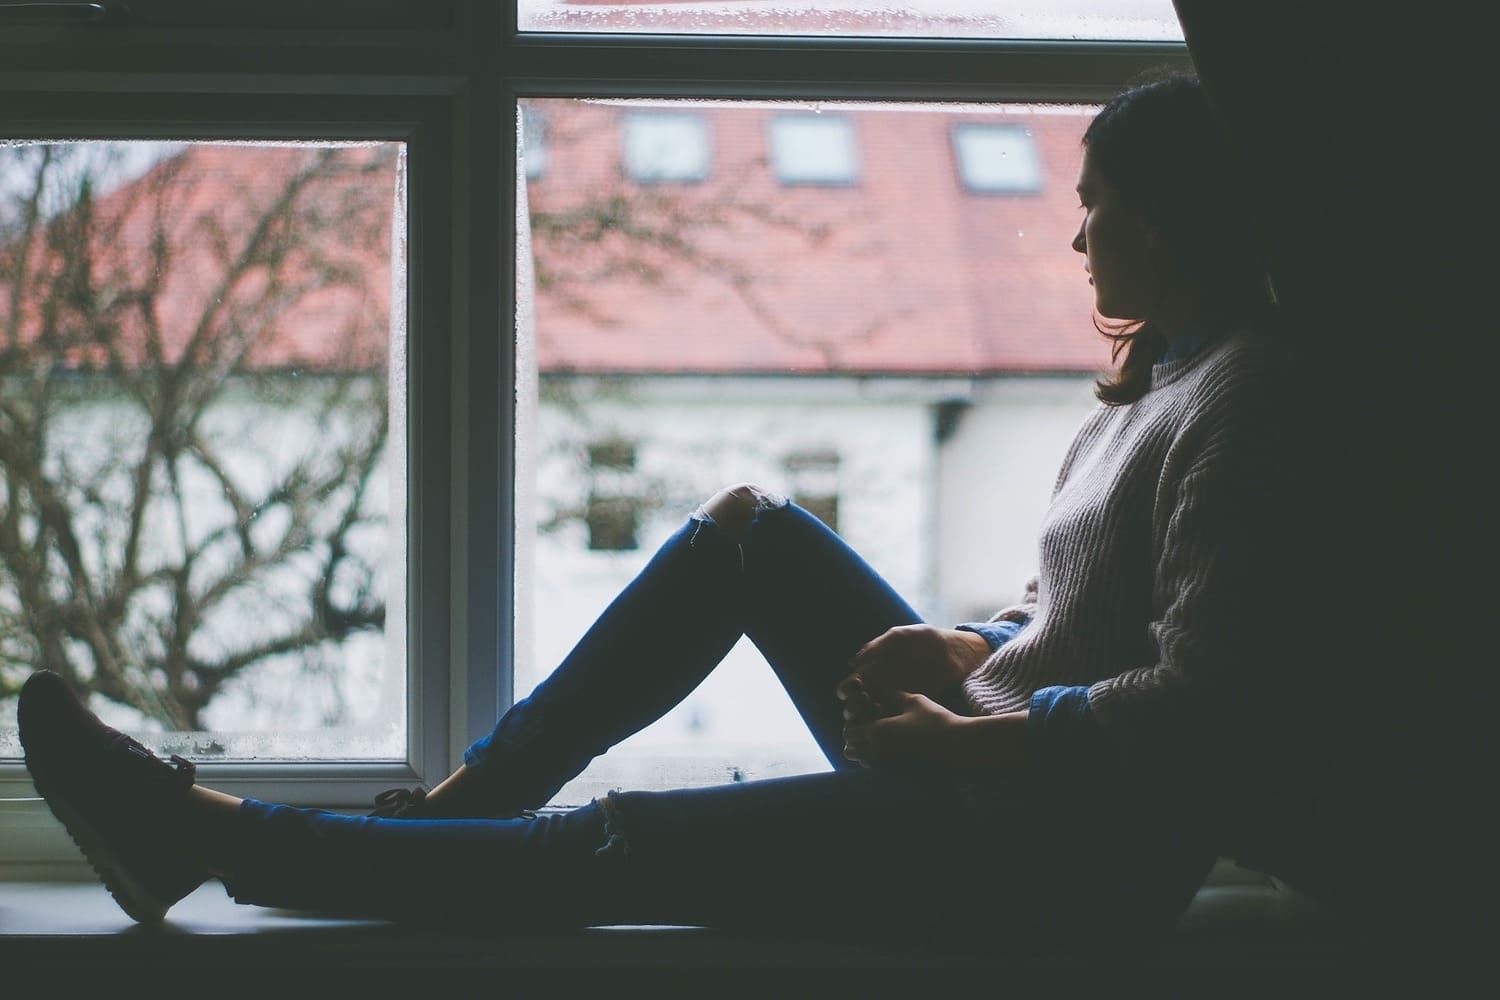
1336, 129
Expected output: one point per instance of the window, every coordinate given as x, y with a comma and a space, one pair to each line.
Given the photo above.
813, 149
440, 84
613, 514
814, 479
805, 338
204, 511
207, 361
997, 159
665, 147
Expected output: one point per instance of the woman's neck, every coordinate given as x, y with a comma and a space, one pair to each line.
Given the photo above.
1179, 317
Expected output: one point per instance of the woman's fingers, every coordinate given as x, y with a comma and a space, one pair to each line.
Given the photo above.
850, 687
857, 742
858, 702
859, 706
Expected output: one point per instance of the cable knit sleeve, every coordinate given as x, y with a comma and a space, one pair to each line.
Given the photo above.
1214, 541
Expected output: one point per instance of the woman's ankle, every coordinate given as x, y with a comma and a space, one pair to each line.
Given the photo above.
466, 794
458, 796
213, 820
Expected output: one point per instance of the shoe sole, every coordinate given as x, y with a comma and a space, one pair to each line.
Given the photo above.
139, 903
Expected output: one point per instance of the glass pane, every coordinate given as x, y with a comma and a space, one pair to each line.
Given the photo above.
201, 495
904, 355
1111, 20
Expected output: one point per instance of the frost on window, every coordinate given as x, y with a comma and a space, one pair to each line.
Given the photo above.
1066, 20
200, 498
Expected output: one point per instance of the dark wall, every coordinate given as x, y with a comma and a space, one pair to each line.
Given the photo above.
1359, 142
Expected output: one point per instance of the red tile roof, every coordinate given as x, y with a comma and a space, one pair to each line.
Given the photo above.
901, 271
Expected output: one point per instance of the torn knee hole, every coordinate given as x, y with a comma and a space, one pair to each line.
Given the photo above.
735, 508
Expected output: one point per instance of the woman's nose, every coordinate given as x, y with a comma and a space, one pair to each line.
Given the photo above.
1078, 243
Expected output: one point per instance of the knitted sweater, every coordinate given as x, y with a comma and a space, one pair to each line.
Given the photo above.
1155, 555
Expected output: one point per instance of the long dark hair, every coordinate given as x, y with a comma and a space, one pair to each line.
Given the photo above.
1164, 152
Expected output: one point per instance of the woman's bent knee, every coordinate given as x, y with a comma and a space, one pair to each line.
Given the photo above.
734, 508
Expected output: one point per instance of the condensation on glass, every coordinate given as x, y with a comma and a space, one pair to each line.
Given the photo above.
812, 298
1099, 20
202, 446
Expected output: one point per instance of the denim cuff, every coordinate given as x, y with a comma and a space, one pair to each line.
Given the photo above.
1061, 723
996, 634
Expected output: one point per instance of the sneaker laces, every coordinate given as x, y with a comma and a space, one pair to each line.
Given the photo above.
184, 771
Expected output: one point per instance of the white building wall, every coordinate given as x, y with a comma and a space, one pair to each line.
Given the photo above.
995, 477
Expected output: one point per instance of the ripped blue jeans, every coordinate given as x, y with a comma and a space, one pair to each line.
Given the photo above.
805, 599
855, 849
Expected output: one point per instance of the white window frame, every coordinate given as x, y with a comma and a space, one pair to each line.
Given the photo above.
448, 87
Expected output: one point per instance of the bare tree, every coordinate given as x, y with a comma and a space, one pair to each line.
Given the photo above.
193, 413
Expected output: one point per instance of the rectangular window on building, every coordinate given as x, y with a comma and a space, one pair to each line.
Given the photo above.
813, 149
997, 159
613, 512
814, 479
666, 147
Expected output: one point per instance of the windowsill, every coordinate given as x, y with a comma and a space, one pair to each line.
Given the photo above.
48, 923
1238, 919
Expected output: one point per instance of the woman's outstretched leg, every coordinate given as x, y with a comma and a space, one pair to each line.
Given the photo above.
866, 851
753, 852
822, 852
747, 562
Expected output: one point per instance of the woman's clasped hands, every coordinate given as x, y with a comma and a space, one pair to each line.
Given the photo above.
891, 715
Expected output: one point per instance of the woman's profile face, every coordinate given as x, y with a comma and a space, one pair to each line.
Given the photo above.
1119, 246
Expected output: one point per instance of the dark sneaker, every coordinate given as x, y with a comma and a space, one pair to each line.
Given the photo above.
399, 803
123, 806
